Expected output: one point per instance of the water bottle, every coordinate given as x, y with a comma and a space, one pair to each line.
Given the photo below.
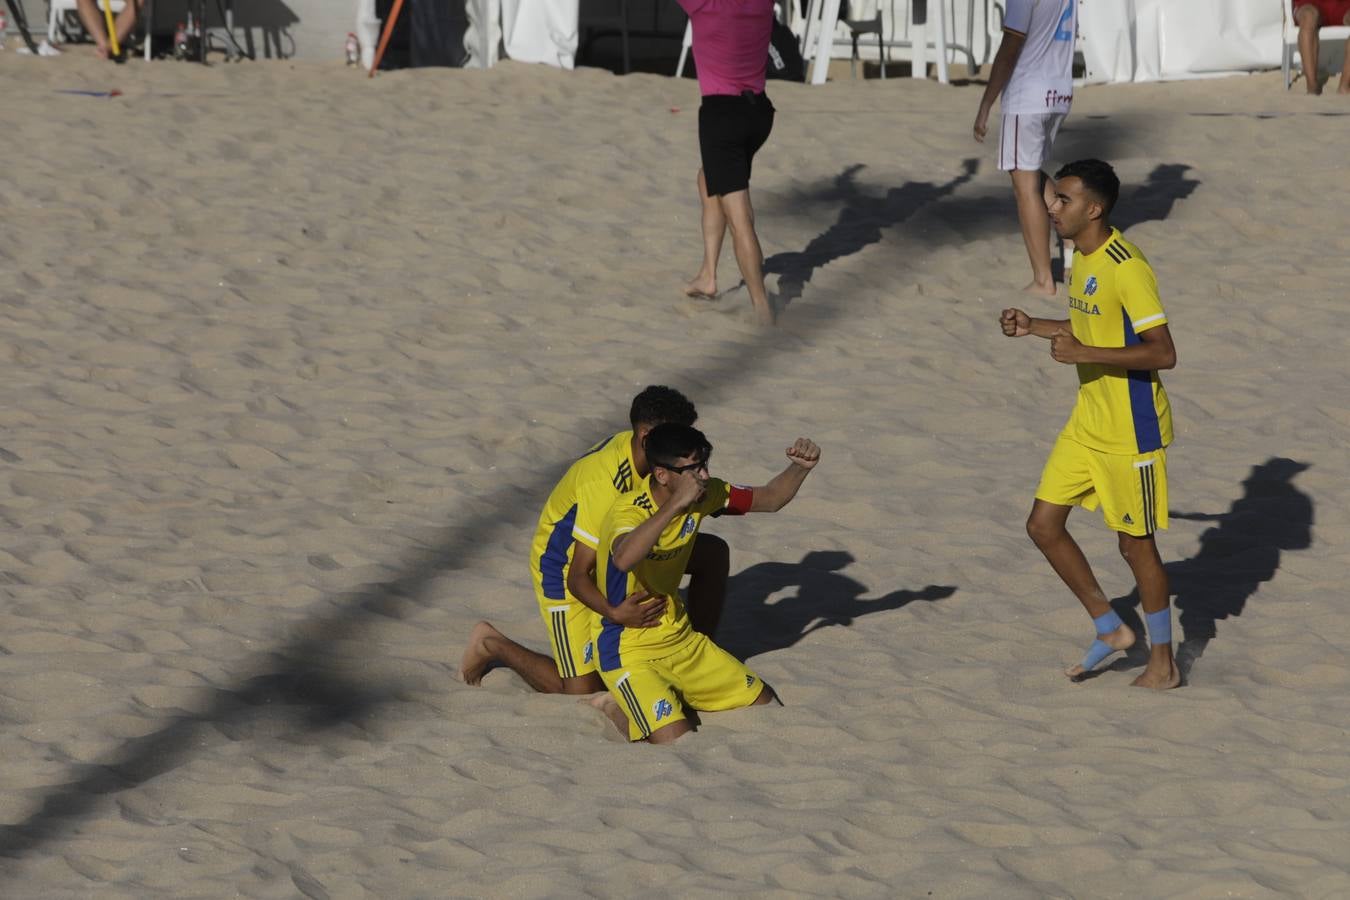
353, 50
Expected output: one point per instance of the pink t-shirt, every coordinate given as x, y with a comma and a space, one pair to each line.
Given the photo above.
731, 43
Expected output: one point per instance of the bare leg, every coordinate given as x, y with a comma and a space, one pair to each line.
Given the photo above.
714, 225
708, 567
605, 702
1309, 20
1141, 553
741, 219
1028, 188
1345, 64
126, 21
1047, 531
487, 646
91, 17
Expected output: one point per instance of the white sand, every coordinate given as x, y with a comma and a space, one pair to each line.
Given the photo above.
294, 356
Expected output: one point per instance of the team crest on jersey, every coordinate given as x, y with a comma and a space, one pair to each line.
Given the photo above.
688, 527
588, 652
749, 680
661, 709
1091, 287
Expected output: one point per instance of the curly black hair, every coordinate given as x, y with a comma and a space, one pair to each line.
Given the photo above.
658, 404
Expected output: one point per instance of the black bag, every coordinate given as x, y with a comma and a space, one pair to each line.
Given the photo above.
785, 58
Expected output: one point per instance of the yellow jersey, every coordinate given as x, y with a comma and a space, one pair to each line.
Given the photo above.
1113, 298
575, 509
660, 573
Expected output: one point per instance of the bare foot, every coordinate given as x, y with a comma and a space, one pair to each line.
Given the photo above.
1159, 677
764, 314
1120, 639
604, 702
1041, 290
474, 664
1344, 88
702, 287
1314, 84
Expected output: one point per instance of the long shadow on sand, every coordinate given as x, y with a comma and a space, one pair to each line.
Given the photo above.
303, 683
863, 218
823, 597
1236, 557
859, 224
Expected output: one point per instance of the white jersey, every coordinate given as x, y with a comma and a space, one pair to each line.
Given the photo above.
1042, 81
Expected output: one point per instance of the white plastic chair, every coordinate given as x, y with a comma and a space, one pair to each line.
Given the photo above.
57, 8
1324, 34
821, 16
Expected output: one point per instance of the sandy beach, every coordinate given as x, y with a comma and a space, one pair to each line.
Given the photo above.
294, 356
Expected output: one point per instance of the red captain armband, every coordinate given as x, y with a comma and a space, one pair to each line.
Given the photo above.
739, 500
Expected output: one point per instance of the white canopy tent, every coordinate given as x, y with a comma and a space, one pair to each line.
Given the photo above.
1121, 40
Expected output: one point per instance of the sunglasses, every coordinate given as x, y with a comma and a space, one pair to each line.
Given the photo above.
679, 470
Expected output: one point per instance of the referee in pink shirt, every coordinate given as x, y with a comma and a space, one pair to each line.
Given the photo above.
731, 51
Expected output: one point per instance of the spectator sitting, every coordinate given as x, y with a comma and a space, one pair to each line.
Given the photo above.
91, 16
1310, 16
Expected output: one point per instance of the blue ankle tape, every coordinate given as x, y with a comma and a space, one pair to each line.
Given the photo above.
1107, 622
1159, 627
1099, 651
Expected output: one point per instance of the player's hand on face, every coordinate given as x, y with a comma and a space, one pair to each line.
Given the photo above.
1015, 323
639, 610
686, 488
1065, 348
804, 453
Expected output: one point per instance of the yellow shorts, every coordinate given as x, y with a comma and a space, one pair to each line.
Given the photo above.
569, 632
1131, 490
653, 693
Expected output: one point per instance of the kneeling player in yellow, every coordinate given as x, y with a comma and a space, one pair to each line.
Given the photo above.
645, 541
563, 556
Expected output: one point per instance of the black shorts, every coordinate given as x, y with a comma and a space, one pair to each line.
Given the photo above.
731, 129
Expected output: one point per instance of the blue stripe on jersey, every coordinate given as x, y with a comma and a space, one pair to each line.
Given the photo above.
553, 561
611, 633
1147, 434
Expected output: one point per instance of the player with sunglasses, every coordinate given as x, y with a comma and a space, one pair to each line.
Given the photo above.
646, 539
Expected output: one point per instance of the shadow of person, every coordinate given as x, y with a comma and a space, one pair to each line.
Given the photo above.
1236, 556
755, 623
859, 225
1153, 200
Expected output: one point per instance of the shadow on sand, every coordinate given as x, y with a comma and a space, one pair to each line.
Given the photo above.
1236, 556
864, 216
822, 596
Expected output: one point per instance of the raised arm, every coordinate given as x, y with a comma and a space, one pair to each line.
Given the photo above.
632, 547
802, 458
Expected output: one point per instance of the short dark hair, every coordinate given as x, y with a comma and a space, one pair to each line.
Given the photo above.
670, 441
1098, 177
658, 404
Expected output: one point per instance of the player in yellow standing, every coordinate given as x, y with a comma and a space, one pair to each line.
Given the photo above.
562, 558
1111, 452
654, 673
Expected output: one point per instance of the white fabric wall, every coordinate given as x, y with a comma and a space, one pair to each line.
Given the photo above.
1151, 40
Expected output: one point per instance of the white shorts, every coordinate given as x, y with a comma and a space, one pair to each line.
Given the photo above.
1025, 140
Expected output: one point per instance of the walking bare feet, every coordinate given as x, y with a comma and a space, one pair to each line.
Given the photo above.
1159, 677
702, 288
1120, 639
477, 655
1040, 290
764, 313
